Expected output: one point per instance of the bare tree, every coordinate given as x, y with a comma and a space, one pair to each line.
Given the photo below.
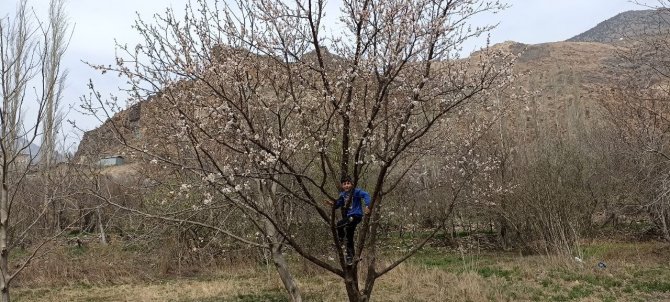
55, 37
638, 107
25, 58
256, 101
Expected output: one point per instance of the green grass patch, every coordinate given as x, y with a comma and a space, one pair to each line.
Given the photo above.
608, 298
606, 282
575, 293
101, 298
259, 297
264, 296
656, 272
653, 286
488, 271
537, 295
618, 250
77, 250
18, 253
547, 282
29, 294
453, 262
599, 251
580, 291
461, 234
560, 298
603, 281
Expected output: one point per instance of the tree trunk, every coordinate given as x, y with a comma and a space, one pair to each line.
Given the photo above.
101, 227
267, 194
280, 263
4, 252
351, 284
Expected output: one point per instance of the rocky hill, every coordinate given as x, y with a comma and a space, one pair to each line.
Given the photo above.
559, 77
104, 141
625, 25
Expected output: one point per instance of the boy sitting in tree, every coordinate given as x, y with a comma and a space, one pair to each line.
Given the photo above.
352, 213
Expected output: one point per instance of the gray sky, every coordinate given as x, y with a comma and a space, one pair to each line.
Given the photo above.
97, 23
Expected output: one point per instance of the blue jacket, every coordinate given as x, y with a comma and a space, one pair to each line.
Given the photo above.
356, 207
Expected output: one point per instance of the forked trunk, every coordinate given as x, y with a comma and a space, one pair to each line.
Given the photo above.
354, 292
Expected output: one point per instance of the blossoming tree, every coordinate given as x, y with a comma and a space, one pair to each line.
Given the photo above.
266, 109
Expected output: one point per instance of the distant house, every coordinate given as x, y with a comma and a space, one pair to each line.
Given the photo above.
114, 160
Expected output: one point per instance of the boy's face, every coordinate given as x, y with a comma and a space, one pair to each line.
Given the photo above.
347, 185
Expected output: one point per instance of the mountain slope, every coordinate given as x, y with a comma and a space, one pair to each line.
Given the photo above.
626, 25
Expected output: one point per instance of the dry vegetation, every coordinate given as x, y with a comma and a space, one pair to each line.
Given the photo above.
633, 272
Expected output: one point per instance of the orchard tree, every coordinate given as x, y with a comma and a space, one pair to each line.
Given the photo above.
266, 104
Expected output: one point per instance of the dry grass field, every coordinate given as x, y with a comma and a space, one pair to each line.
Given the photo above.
633, 272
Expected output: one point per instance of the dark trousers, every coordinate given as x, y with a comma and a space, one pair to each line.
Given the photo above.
346, 229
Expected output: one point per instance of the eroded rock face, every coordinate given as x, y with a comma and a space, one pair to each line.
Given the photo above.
107, 140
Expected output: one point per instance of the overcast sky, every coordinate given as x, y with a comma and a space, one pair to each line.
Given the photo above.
97, 23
